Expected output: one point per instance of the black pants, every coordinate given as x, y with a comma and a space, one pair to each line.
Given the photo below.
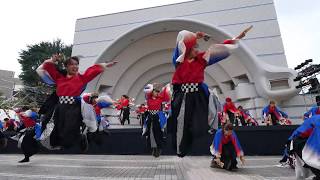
153, 125
189, 118
232, 118
125, 115
142, 118
3, 141
243, 122
298, 145
67, 122
274, 119
229, 156
29, 145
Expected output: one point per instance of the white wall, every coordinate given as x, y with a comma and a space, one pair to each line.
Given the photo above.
94, 34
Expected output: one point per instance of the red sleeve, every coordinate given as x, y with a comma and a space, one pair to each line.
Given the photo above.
52, 70
164, 95
91, 73
225, 109
86, 98
229, 41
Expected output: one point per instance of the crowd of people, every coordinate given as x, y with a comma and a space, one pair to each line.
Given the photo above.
186, 108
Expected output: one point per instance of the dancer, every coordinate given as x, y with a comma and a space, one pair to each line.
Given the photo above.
3, 139
141, 110
123, 106
155, 117
67, 114
98, 103
272, 115
232, 113
226, 148
304, 143
28, 134
315, 110
249, 120
190, 97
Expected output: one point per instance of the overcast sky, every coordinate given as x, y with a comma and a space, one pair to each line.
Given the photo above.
32, 21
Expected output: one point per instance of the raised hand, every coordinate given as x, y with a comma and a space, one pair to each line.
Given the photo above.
110, 64
200, 34
244, 32
56, 57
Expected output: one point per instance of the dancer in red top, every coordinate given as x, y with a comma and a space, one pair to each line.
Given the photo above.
155, 117
67, 114
123, 106
141, 109
190, 95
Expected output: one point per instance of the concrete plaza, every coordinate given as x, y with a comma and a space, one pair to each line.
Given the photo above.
134, 167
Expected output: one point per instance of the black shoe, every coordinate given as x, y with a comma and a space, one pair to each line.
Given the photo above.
284, 159
181, 155
157, 152
153, 153
26, 159
84, 144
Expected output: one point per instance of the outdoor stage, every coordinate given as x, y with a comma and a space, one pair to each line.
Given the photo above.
261, 140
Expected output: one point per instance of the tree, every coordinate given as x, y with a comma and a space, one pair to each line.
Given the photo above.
31, 58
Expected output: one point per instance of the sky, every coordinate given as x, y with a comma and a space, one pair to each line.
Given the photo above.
29, 22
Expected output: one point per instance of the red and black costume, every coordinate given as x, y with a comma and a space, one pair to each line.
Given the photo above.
227, 147
141, 110
190, 95
67, 114
155, 117
123, 106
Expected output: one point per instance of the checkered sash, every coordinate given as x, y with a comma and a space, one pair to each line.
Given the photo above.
67, 100
153, 112
190, 87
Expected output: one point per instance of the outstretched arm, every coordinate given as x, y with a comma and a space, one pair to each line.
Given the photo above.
95, 70
48, 71
244, 32
218, 52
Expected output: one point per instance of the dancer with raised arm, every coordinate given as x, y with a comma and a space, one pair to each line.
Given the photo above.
67, 117
155, 117
190, 96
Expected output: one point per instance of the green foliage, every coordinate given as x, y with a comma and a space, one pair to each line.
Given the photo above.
35, 92
31, 58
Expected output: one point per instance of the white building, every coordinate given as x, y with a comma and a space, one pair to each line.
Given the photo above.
143, 40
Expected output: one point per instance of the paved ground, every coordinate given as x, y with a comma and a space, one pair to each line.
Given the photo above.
98, 167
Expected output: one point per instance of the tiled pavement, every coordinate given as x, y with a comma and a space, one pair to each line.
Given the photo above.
134, 167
